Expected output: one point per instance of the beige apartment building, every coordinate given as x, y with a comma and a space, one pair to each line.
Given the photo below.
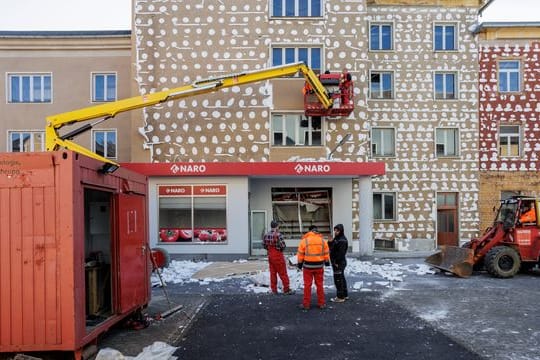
51, 72
415, 69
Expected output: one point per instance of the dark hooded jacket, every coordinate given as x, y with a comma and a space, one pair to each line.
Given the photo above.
338, 248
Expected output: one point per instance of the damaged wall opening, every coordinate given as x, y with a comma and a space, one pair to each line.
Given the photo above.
299, 207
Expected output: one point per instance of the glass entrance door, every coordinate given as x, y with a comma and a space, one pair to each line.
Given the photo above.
258, 229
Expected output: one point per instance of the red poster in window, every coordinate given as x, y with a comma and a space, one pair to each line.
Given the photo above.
175, 190
209, 190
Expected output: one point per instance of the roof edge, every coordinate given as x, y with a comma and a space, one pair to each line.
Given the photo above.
64, 33
505, 24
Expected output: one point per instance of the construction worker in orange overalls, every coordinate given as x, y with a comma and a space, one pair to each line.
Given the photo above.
345, 87
313, 254
274, 245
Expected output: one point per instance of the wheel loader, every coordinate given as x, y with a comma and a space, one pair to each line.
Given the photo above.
510, 244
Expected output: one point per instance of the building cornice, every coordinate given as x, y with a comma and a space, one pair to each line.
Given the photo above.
508, 30
65, 40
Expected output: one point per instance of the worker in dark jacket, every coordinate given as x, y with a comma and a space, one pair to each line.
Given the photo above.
338, 251
313, 255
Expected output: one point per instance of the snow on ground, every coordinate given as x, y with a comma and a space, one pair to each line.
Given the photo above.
380, 275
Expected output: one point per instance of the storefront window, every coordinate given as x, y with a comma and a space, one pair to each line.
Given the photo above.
193, 214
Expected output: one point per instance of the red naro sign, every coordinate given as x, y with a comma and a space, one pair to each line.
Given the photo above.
175, 190
188, 190
209, 190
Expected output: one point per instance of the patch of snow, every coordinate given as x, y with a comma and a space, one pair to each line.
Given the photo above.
435, 315
157, 351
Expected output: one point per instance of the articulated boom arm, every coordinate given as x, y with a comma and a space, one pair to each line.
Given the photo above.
55, 141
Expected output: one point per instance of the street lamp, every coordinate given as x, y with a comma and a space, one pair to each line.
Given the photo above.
343, 141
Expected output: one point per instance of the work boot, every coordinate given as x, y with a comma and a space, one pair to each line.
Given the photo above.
303, 308
289, 292
337, 300
322, 307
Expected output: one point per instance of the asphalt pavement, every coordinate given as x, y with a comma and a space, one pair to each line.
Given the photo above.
433, 316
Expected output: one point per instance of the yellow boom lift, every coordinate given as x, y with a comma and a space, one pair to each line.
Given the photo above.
55, 141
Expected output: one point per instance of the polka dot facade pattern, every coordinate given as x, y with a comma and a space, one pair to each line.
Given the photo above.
178, 42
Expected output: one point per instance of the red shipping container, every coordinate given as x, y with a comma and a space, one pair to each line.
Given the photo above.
73, 250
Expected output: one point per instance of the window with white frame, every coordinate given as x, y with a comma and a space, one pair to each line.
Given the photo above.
104, 143
296, 130
509, 75
297, 8
26, 141
446, 142
382, 142
445, 86
311, 56
384, 205
103, 87
509, 140
30, 88
381, 85
380, 37
444, 38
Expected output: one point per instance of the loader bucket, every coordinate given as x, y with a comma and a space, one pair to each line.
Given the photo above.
458, 261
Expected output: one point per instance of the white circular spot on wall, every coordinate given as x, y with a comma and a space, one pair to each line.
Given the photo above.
194, 151
219, 150
238, 138
167, 138
157, 151
251, 137
242, 150
222, 126
251, 115
155, 139
264, 137
232, 150
254, 148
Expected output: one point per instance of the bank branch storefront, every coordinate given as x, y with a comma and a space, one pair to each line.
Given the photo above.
221, 210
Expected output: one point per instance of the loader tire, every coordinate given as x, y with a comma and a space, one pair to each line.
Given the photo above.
502, 262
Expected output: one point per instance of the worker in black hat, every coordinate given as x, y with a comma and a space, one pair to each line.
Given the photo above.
274, 244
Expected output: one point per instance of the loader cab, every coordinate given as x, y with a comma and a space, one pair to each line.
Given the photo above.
518, 211
527, 212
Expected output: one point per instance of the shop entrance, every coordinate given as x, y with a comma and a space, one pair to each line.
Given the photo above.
297, 208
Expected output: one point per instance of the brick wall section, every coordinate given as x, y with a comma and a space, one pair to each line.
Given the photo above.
497, 173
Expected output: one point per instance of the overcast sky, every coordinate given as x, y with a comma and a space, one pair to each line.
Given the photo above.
116, 14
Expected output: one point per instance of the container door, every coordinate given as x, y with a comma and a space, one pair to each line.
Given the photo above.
132, 253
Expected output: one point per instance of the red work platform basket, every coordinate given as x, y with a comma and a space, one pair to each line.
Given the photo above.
341, 94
